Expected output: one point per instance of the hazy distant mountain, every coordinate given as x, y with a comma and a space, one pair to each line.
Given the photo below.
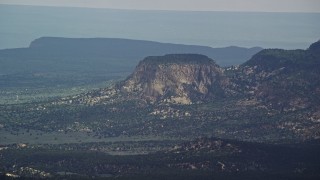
125, 48
101, 54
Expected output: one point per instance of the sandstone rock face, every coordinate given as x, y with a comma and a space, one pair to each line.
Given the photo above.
177, 78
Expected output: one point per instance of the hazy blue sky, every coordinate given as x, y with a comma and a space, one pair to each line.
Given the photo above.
195, 5
22, 24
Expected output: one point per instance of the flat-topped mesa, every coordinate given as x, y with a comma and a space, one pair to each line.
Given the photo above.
176, 78
178, 59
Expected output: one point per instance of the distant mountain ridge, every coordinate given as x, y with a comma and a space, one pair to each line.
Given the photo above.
79, 61
131, 51
115, 47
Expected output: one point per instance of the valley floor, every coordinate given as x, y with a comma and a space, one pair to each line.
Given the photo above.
202, 158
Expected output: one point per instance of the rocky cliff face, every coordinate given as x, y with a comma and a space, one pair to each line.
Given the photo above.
177, 78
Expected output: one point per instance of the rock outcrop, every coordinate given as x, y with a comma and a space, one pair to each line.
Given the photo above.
176, 78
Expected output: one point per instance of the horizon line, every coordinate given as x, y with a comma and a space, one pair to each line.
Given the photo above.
161, 10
